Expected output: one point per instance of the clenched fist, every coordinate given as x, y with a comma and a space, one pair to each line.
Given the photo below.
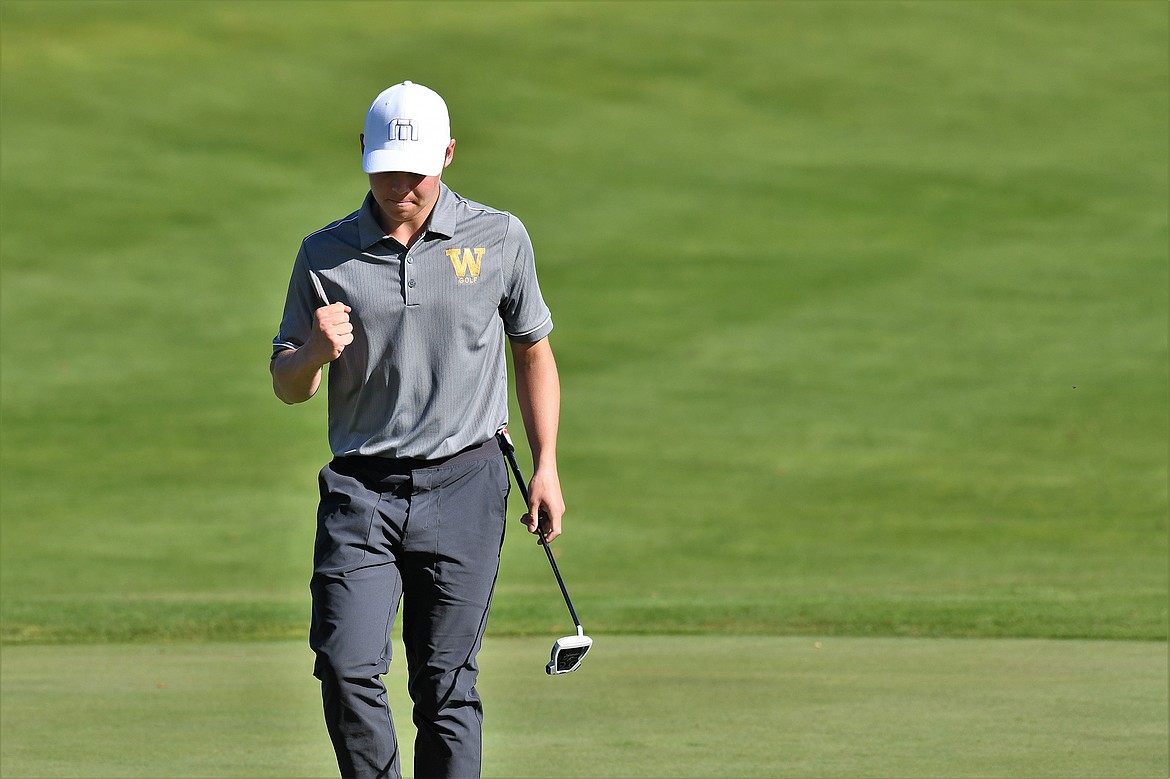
296, 373
332, 332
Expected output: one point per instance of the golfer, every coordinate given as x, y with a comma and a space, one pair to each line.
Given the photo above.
408, 300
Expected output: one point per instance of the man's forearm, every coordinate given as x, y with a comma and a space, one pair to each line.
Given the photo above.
295, 378
538, 394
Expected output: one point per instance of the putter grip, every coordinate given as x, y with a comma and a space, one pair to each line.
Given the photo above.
510, 452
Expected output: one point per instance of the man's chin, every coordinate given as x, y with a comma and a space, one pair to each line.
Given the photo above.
400, 212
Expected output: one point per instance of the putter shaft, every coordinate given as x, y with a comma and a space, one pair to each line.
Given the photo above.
510, 455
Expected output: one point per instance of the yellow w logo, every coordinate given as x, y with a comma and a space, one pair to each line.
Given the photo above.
466, 261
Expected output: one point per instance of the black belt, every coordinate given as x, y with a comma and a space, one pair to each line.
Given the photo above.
474, 453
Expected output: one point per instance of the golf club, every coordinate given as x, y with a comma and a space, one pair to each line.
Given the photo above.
567, 652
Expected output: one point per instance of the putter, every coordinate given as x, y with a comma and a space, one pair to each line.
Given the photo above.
567, 652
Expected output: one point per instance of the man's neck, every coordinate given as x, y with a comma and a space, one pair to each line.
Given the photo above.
406, 233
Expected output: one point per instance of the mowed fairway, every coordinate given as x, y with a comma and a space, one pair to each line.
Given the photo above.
645, 706
862, 323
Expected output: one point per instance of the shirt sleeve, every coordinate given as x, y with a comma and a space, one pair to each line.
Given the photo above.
299, 305
526, 317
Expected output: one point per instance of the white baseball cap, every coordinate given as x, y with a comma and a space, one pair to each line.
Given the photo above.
407, 129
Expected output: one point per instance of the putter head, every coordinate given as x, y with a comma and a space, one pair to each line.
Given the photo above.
567, 654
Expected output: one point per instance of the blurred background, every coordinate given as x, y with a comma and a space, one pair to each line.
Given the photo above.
861, 307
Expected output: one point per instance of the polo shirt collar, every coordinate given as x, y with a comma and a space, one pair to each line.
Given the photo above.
443, 219
441, 222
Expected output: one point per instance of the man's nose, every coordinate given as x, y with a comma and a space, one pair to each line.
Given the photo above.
400, 183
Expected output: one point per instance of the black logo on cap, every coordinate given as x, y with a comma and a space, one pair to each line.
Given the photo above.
402, 130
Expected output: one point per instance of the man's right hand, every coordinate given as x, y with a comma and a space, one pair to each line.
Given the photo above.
332, 332
296, 373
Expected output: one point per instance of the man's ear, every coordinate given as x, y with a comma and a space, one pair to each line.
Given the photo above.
450, 155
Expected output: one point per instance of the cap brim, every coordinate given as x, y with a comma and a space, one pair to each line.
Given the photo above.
395, 161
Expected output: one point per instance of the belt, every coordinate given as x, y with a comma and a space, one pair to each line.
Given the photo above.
474, 453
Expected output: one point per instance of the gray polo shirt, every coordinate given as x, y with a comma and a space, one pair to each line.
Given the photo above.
425, 376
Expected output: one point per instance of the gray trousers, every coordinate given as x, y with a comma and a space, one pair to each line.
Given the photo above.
429, 535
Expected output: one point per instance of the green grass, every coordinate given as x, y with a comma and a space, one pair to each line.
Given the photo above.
863, 322
694, 706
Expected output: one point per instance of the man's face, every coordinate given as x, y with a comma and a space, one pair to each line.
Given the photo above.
406, 197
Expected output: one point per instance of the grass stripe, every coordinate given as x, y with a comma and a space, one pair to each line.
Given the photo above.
646, 706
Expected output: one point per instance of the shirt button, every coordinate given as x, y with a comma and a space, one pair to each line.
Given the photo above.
410, 261
410, 283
